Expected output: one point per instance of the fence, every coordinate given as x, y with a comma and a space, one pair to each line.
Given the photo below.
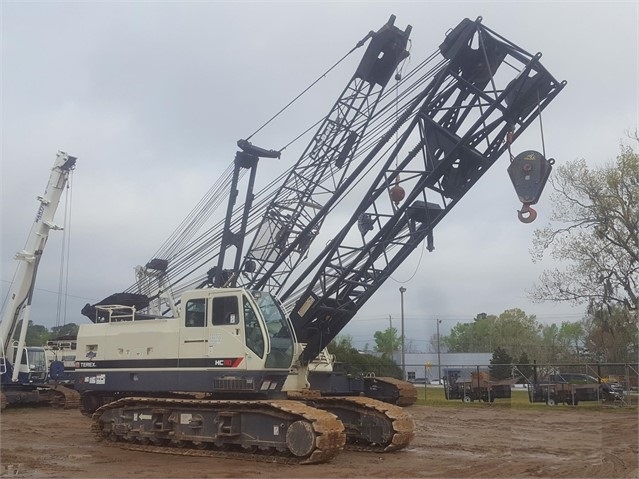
569, 383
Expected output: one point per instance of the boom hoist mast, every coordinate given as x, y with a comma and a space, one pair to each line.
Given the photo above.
465, 119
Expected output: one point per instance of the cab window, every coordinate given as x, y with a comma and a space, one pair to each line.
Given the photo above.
225, 311
195, 313
252, 331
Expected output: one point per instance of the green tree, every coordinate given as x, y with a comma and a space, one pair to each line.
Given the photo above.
70, 329
595, 234
387, 341
525, 368
513, 330
564, 343
549, 350
516, 332
37, 335
501, 364
571, 337
357, 363
475, 337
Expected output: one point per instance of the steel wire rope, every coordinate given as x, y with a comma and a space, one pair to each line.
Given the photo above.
196, 215
213, 238
409, 87
388, 120
372, 134
206, 235
270, 188
66, 286
301, 287
358, 45
328, 173
185, 250
63, 280
541, 126
203, 255
423, 244
188, 228
191, 248
317, 288
380, 156
188, 225
384, 96
215, 231
391, 247
382, 119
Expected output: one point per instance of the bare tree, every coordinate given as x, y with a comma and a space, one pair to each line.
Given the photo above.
594, 235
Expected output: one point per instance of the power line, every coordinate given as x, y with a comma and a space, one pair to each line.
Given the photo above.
55, 292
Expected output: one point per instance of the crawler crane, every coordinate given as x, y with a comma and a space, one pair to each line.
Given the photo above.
224, 370
24, 375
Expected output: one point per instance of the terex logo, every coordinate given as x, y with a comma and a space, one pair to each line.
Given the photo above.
84, 364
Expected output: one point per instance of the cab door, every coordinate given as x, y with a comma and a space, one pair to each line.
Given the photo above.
194, 330
226, 334
255, 336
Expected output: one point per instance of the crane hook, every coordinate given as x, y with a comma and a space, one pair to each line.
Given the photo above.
527, 214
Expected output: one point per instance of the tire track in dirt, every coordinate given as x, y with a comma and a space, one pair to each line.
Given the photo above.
450, 442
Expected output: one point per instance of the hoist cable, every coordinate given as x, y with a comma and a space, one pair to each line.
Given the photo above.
196, 217
188, 257
63, 278
359, 44
541, 126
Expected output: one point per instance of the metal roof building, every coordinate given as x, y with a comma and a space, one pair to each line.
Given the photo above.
421, 366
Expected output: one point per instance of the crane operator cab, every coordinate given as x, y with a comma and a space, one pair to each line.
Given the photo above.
226, 340
32, 367
240, 318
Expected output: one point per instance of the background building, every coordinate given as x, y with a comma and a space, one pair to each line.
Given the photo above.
425, 366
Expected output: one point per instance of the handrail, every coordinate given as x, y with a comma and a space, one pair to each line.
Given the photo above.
117, 312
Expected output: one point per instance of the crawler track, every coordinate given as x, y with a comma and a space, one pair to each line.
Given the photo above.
371, 425
64, 397
407, 394
285, 431
56, 396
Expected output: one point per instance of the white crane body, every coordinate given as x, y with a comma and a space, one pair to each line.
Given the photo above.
235, 373
19, 364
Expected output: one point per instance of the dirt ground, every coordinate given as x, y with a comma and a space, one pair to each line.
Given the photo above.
451, 442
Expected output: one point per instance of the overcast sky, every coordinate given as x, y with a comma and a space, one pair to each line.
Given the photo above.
152, 97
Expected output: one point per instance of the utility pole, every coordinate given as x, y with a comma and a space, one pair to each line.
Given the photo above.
391, 336
402, 290
439, 358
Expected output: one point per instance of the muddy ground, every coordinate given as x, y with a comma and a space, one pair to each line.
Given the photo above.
462, 441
